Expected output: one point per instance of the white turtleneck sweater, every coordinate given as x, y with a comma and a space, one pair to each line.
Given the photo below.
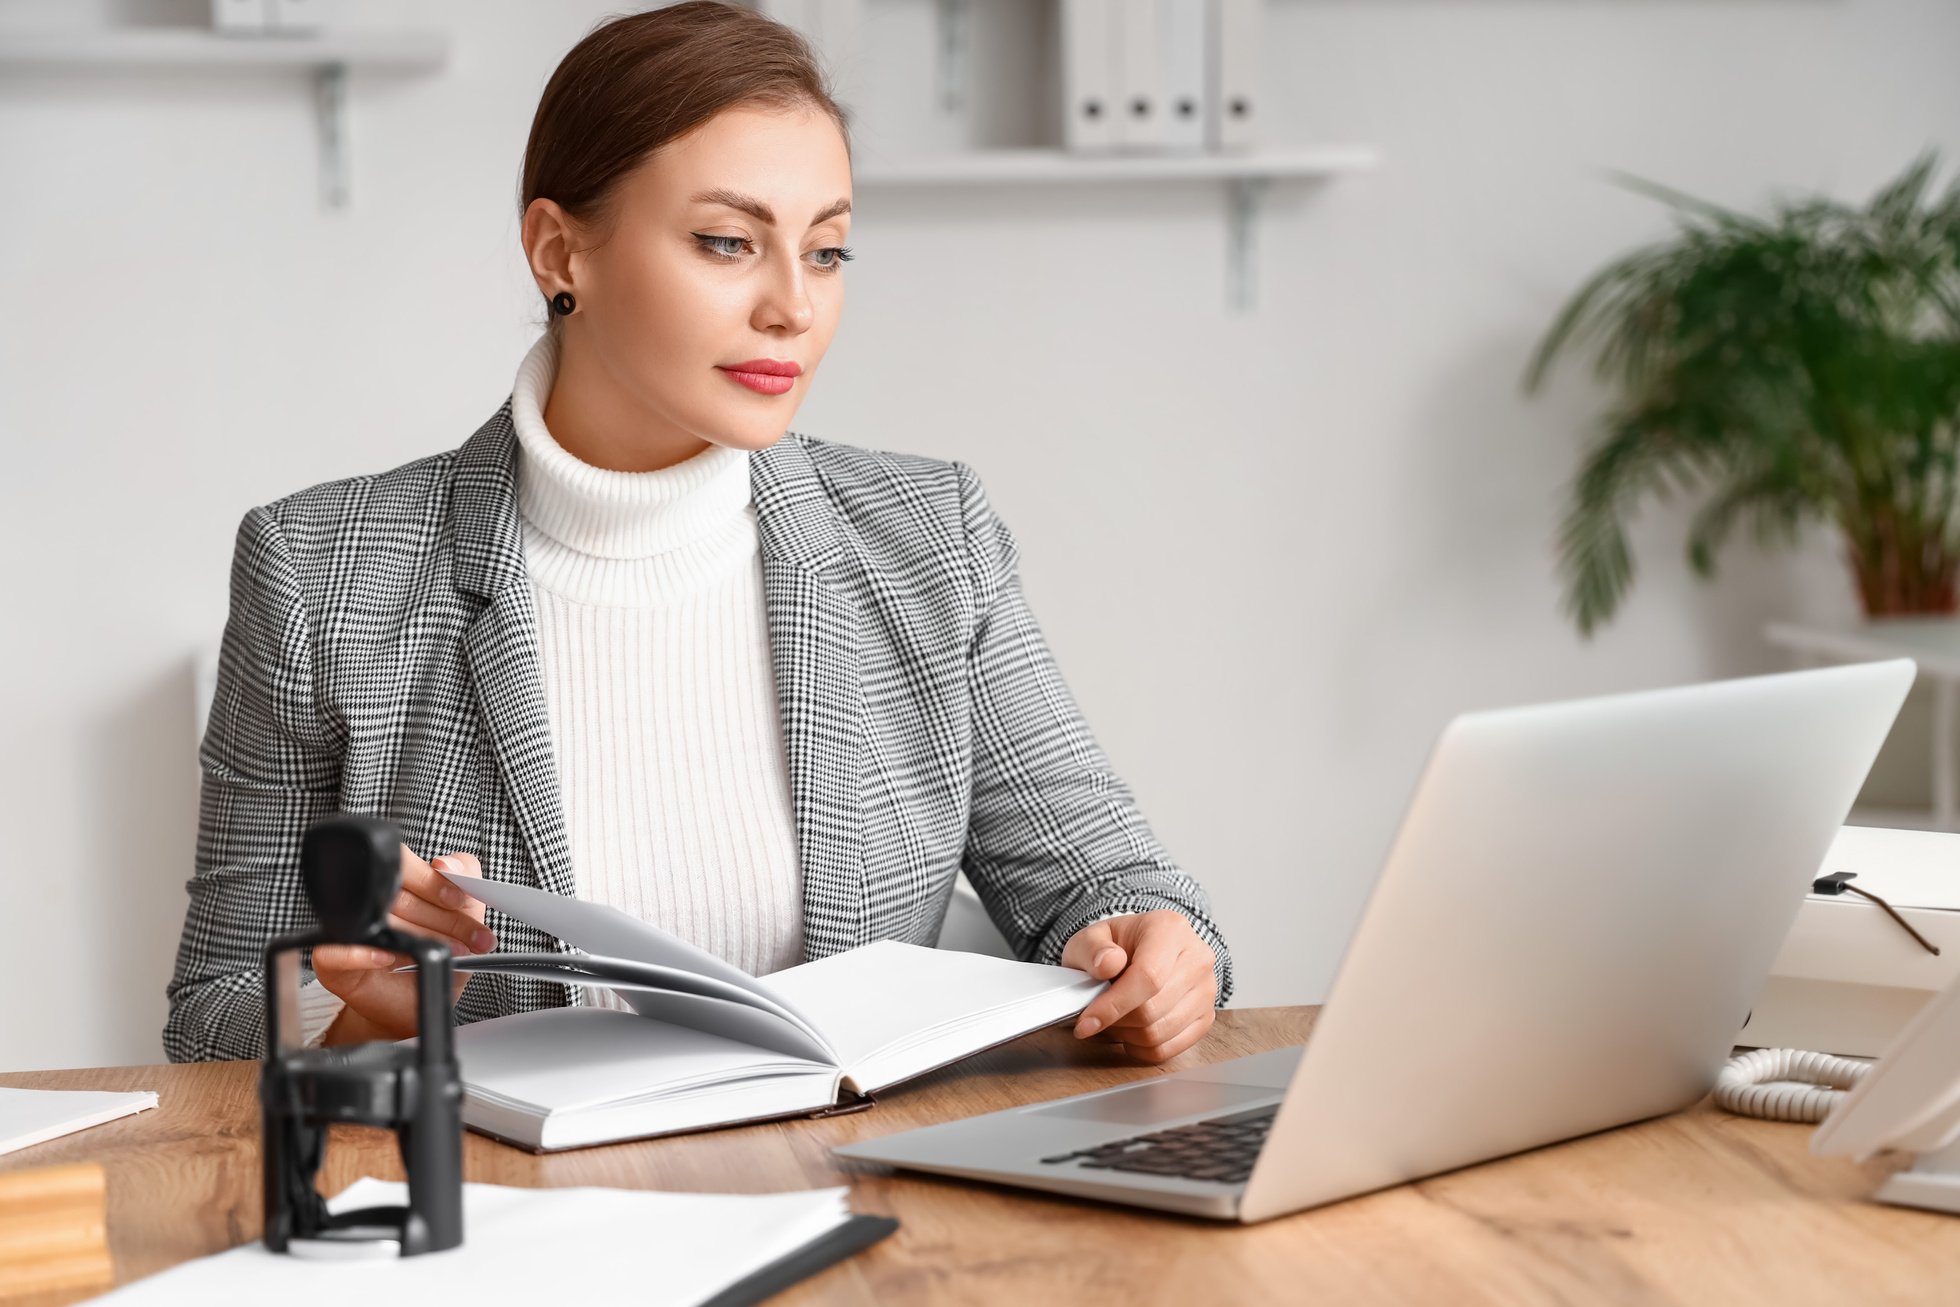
660, 692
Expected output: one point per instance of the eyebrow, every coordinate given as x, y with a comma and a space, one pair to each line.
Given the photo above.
762, 212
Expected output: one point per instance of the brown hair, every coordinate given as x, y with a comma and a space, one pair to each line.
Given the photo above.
638, 81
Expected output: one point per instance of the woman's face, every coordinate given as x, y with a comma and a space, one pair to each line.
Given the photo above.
724, 252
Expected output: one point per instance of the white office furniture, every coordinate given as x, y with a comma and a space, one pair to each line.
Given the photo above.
962, 55
1934, 643
328, 55
1248, 175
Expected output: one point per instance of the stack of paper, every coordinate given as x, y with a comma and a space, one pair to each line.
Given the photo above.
528, 1245
32, 1116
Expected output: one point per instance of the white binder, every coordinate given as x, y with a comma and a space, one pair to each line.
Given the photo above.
1087, 41
1181, 57
1138, 123
1232, 106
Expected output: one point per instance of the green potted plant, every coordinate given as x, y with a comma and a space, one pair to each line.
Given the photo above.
1796, 369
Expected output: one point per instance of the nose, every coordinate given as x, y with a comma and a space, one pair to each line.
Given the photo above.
785, 299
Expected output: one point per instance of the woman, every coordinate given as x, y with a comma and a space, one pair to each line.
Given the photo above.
636, 641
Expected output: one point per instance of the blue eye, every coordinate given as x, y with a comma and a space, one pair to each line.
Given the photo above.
715, 245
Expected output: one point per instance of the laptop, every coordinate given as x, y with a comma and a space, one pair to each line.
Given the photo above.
1571, 924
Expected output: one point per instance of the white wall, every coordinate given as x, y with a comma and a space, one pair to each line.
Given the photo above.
1274, 552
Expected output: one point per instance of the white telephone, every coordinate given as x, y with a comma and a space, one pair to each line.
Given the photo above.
1907, 1101
1784, 1084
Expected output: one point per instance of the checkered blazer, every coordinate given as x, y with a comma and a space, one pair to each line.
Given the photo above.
381, 657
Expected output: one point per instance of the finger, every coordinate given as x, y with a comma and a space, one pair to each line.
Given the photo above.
409, 928
422, 880
363, 957
1178, 991
1169, 1020
351, 957
1094, 949
1194, 979
381, 999
424, 917
344, 985
1153, 962
1176, 1044
349, 966
462, 864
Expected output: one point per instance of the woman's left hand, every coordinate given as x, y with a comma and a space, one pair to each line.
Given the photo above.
1162, 992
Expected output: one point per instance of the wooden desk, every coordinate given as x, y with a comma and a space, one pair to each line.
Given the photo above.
1701, 1207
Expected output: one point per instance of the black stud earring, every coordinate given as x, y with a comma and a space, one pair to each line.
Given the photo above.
563, 302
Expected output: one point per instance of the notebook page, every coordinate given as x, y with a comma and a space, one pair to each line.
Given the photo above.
561, 1058
875, 1000
627, 971
666, 994
606, 931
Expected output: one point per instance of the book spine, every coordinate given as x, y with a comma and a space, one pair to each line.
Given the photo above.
855, 1103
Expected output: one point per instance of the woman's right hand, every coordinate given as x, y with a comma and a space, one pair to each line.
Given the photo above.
380, 1000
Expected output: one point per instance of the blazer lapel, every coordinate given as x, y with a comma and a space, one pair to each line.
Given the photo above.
502, 644
814, 633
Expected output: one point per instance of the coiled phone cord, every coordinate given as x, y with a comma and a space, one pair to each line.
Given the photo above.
1757, 1083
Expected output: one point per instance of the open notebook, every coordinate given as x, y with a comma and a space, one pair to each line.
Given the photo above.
707, 1044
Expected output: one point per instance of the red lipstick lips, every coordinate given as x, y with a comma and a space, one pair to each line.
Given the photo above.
768, 376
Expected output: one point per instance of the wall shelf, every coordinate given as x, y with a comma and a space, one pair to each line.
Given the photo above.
328, 54
1056, 165
1247, 174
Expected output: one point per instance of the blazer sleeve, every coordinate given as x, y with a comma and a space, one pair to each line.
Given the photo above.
1055, 839
270, 767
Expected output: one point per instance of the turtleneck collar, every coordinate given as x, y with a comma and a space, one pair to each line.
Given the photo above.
609, 514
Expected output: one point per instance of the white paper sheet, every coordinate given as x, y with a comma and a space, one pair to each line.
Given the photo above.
679, 997
33, 1116
537, 1246
597, 928
608, 932
560, 1058
877, 997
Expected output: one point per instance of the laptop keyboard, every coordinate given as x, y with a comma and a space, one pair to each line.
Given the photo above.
1220, 1149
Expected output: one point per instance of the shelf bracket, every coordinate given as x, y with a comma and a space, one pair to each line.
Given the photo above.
330, 103
1241, 230
954, 45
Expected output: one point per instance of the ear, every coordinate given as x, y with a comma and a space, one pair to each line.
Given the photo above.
550, 239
